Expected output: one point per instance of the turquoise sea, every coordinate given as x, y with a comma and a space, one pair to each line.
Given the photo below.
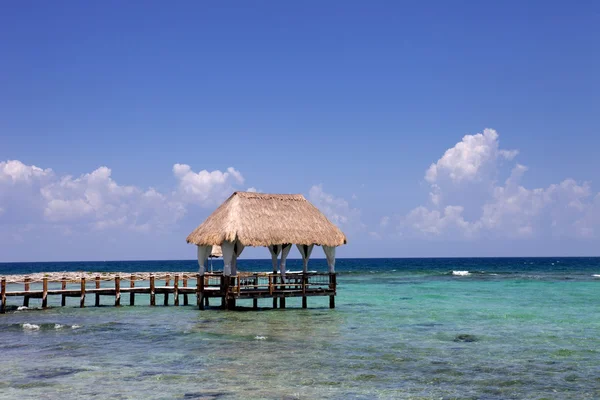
512, 328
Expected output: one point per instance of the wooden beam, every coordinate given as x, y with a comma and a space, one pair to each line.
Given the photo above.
176, 290
45, 292
152, 294
185, 296
63, 286
200, 291
3, 296
167, 281
82, 300
97, 302
26, 297
117, 291
131, 293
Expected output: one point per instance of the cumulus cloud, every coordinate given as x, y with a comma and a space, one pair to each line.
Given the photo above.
336, 209
568, 208
95, 201
467, 160
205, 188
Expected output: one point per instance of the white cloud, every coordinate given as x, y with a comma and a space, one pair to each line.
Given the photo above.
469, 158
508, 210
95, 201
336, 209
205, 188
252, 190
384, 221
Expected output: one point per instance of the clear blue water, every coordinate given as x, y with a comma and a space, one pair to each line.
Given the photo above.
522, 328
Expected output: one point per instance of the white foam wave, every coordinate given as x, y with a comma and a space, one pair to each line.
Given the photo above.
58, 326
31, 327
461, 273
260, 338
75, 326
596, 275
22, 308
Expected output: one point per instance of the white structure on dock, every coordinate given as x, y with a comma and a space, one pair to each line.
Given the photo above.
275, 221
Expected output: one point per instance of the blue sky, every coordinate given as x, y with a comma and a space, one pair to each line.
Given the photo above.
349, 103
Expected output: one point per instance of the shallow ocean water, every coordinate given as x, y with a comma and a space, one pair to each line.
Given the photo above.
511, 329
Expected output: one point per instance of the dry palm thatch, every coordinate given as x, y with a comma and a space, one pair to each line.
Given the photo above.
259, 219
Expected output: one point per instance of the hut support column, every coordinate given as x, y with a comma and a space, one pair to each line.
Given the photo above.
167, 282
200, 291
185, 296
82, 299
152, 293
330, 255
117, 291
63, 286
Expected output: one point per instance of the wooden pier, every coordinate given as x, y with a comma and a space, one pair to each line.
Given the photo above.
228, 289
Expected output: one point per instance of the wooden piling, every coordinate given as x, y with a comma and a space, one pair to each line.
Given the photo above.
200, 291
97, 302
332, 285
176, 291
117, 291
3, 296
206, 301
282, 302
304, 282
255, 304
44, 292
271, 278
167, 281
82, 300
26, 297
152, 294
185, 296
131, 294
63, 286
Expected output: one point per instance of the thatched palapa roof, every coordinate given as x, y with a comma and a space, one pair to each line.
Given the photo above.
259, 219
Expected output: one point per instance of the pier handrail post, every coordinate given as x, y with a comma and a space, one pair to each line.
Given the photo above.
185, 296
152, 294
82, 300
176, 290
97, 303
131, 293
167, 281
26, 297
45, 292
3, 296
200, 291
117, 291
63, 286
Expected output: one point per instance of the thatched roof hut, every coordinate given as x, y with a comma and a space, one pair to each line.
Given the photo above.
275, 221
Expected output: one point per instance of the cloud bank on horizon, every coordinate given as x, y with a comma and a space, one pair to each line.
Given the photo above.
469, 199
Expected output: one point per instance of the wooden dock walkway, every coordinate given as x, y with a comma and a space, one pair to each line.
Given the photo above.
229, 289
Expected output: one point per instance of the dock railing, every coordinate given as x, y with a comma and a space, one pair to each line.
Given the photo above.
245, 285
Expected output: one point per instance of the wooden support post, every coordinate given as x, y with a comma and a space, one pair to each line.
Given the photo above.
206, 301
167, 281
152, 295
282, 301
332, 285
82, 300
304, 282
255, 304
271, 278
131, 294
223, 287
200, 291
97, 302
117, 291
176, 290
185, 296
44, 292
63, 286
26, 297
3, 296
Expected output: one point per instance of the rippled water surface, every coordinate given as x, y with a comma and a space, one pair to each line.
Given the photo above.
510, 328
